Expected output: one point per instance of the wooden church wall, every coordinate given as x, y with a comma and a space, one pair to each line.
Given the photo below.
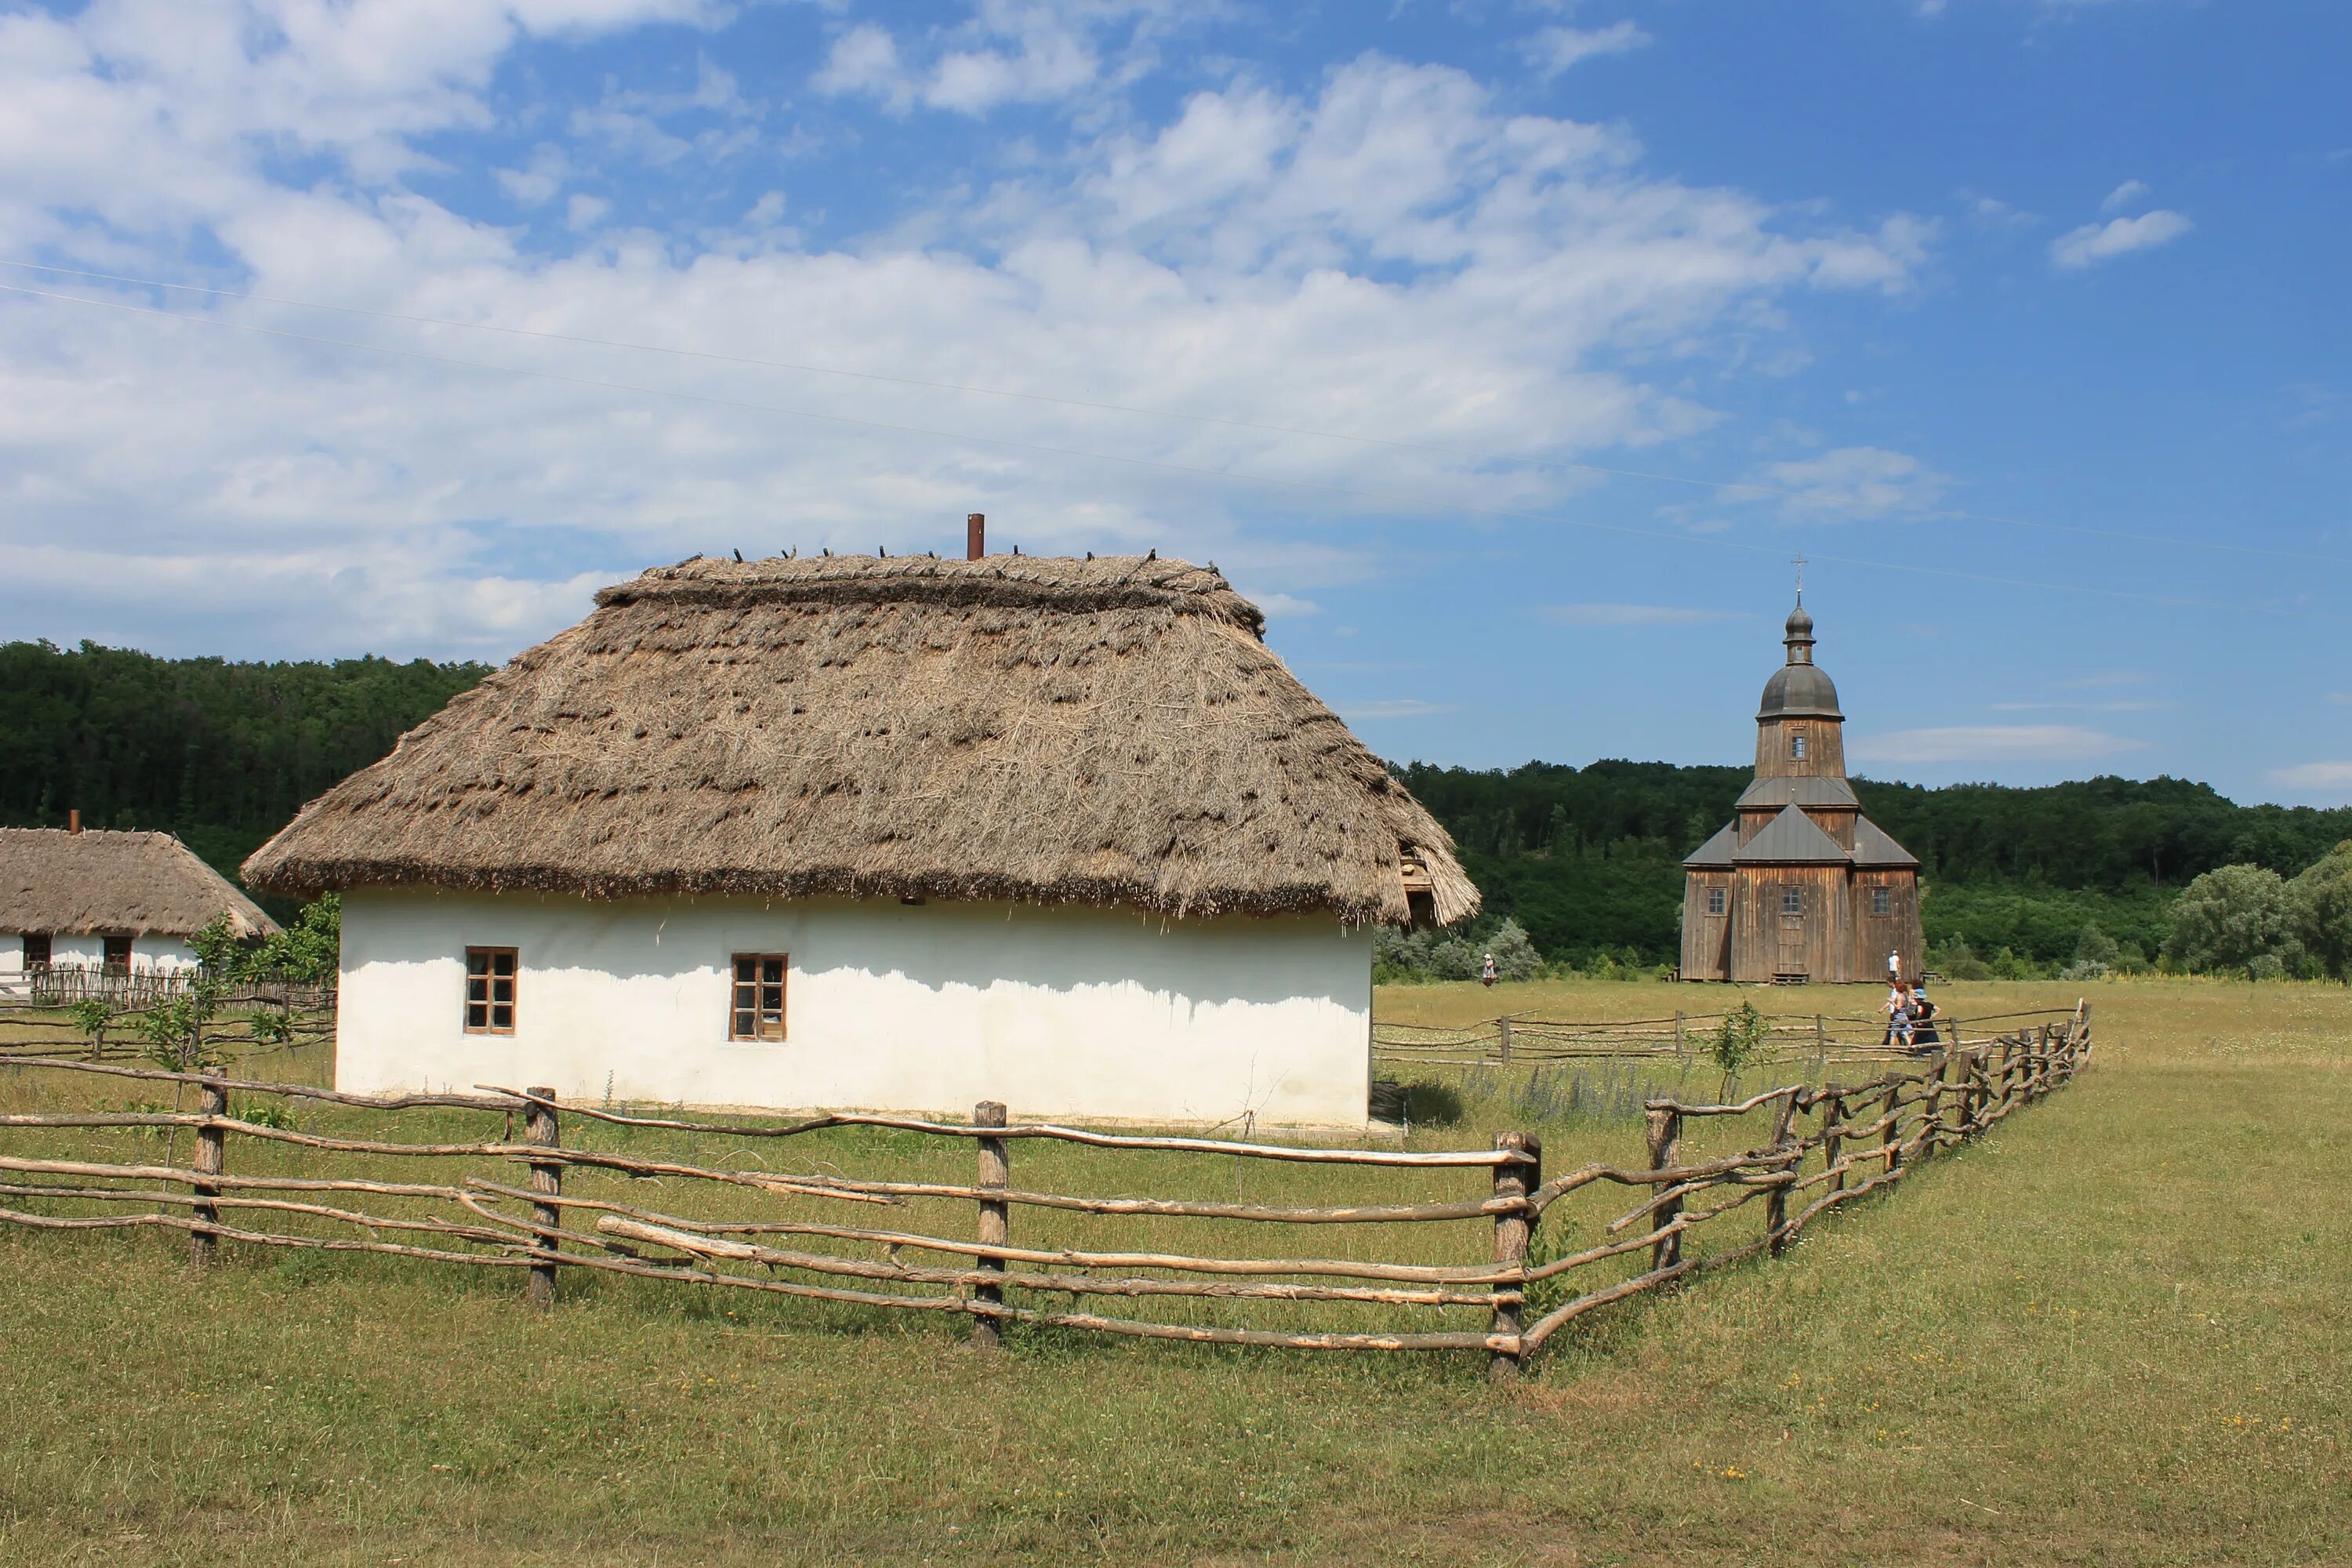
1766, 941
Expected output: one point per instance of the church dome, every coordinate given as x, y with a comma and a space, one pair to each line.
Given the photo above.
1798, 689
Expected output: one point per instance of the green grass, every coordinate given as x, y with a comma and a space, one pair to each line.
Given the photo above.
2111, 1331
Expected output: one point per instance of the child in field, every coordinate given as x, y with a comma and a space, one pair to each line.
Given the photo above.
1487, 971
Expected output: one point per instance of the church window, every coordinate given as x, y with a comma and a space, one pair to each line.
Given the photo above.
1715, 900
1792, 900
1797, 745
1882, 901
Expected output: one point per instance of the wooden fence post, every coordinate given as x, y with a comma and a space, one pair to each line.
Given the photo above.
1503, 1036
211, 1159
541, 1130
1678, 1035
995, 1222
1666, 1128
1514, 1235
1820, 1039
1832, 1143
1890, 1140
1776, 1202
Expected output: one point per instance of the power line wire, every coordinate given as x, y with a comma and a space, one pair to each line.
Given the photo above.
1748, 488
1384, 497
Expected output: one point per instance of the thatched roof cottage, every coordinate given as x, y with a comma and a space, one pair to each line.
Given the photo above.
885, 833
109, 901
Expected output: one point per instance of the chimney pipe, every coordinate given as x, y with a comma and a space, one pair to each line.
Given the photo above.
975, 536
73, 820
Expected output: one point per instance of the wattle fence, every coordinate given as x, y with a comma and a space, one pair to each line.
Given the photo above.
1399, 1275
1821, 1039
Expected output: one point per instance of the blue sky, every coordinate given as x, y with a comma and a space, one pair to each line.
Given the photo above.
1506, 351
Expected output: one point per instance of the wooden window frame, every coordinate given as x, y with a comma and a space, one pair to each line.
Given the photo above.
750, 977
40, 949
486, 1004
1882, 901
116, 941
1797, 745
1792, 900
1719, 900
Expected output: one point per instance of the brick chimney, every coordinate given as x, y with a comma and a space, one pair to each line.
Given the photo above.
73, 820
975, 536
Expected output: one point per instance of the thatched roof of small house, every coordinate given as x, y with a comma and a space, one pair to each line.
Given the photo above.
148, 884
1102, 732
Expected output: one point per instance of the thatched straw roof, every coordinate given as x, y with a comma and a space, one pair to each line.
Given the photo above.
1109, 731
148, 884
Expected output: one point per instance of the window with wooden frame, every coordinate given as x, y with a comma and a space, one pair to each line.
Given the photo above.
756, 1010
490, 990
118, 953
1797, 746
37, 950
1792, 900
1715, 900
1882, 901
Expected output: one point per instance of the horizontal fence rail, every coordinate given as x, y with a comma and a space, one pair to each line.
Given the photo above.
517, 1179
1683, 1038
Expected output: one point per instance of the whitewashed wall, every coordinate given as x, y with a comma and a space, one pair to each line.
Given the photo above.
89, 953
1056, 1012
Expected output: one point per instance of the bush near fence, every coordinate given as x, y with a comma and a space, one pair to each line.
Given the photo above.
812, 1233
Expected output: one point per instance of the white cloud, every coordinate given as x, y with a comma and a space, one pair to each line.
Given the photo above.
1277, 606
1553, 49
1395, 251
2144, 706
2128, 193
536, 183
2316, 777
1852, 482
2096, 242
1009, 51
1992, 215
1394, 708
1991, 743
1628, 615
863, 59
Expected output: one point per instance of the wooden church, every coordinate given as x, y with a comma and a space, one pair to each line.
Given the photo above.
1802, 886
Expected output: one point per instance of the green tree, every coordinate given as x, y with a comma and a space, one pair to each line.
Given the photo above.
2319, 911
2229, 918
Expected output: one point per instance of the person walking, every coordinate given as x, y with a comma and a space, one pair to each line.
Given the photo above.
1898, 1016
1923, 1032
1487, 972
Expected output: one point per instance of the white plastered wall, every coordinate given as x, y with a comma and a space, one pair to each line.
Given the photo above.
1105, 1014
89, 953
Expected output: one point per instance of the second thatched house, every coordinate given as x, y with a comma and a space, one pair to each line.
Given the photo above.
103, 907
903, 833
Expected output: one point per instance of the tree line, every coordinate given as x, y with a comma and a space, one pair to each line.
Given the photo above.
1588, 861
1583, 863
221, 752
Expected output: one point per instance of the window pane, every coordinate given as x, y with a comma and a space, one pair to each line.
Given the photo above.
478, 1017
502, 964
478, 962
746, 967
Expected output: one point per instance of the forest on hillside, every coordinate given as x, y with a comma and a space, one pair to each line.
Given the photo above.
1586, 861
222, 753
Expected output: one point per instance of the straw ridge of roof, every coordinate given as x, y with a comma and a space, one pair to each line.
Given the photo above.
148, 884
1037, 729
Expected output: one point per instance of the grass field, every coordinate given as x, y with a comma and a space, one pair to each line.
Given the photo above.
2112, 1331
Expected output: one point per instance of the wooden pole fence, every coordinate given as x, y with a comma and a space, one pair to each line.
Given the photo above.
1820, 1147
